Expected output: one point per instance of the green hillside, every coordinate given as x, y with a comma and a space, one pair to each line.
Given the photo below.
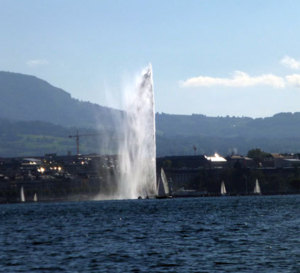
29, 138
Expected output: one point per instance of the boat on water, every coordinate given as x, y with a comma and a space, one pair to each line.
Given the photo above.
163, 190
223, 189
22, 195
35, 198
257, 189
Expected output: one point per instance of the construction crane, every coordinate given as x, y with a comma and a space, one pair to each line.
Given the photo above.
77, 137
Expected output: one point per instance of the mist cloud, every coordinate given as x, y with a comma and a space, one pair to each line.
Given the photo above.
293, 80
290, 62
37, 62
239, 79
242, 80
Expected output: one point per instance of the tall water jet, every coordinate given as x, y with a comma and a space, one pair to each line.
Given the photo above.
137, 149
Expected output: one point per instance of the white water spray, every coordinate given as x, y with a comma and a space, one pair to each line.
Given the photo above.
137, 150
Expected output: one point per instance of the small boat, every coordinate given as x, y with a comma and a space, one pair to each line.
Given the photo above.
163, 185
160, 189
223, 188
257, 188
22, 195
165, 181
35, 199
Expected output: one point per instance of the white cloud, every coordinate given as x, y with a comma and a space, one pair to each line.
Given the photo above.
239, 79
290, 62
293, 80
37, 62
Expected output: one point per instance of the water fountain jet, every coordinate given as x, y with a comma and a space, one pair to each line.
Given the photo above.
137, 149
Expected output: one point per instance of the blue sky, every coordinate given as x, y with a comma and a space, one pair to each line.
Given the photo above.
218, 58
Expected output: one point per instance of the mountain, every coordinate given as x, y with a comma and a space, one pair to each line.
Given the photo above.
37, 138
278, 126
37, 118
28, 98
178, 134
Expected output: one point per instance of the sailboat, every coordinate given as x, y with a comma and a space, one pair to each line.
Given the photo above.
223, 188
257, 188
35, 199
22, 195
163, 185
165, 181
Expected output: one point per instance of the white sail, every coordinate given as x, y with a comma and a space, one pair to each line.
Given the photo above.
223, 188
22, 195
257, 187
35, 199
160, 188
165, 181
162, 185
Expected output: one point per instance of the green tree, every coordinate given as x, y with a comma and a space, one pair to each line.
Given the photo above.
258, 155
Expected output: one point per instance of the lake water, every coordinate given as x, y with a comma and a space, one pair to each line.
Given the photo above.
225, 234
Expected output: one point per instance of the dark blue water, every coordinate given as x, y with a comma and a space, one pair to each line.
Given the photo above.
230, 234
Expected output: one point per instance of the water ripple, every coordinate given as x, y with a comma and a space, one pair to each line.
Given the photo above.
237, 234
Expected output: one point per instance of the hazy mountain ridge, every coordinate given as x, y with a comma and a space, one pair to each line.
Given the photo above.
280, 125
33, 138
36, 117
28, 98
